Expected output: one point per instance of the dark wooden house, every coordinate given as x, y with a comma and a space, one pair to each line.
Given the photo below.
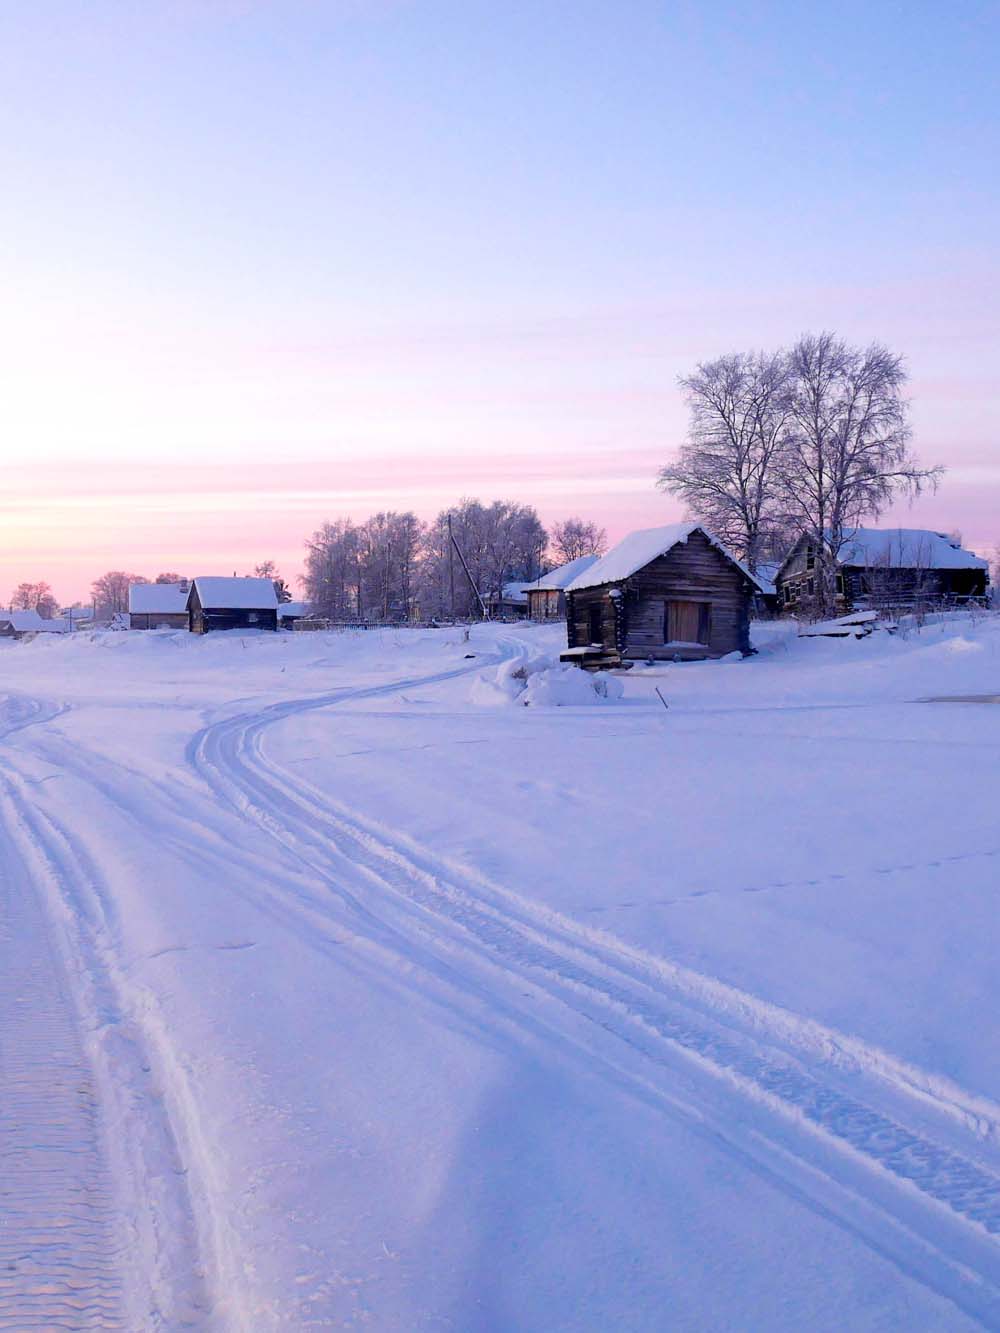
670, 594
885, 568
219, 603
158, 606
547, 595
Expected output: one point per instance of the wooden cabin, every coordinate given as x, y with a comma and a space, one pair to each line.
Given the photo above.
666, 594
219, 603
885, 568
547, 595
158, 606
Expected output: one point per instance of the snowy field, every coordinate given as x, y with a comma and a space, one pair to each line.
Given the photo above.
338, 989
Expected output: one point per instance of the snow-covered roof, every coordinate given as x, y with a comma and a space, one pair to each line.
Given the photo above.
907, 548
157, 599
635, 552
516, 592
24, 622
558, 579
291, 609
216, 594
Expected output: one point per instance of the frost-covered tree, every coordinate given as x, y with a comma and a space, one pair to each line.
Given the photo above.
726, 471
576, 537
845, 452
502, 542
110, 591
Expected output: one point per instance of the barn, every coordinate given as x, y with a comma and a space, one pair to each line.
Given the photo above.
547, 595
158, 606
220, 603
671, 594
885, 568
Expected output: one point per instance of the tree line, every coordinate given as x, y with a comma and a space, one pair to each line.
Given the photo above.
393, 566
809, 439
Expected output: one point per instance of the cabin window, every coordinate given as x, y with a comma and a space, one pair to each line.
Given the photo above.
687, 622
596, 624
810, 587
840, 584
791, 593
810, 557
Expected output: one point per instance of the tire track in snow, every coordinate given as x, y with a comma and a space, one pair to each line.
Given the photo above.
60, 1244
94, 1227
794, 1067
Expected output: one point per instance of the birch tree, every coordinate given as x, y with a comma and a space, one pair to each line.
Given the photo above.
846, 444
576, 537
726, 471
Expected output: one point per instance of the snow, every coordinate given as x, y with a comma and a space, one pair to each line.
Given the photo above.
219, 594
561, 577
907, 548
157, 599
292, 610
636, 550
388, 1009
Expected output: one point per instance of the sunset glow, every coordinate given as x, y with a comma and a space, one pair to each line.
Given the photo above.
239, 300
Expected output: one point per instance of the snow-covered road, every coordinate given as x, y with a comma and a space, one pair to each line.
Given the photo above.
381, 1007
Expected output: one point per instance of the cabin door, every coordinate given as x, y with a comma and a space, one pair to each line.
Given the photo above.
596, 625
687, 622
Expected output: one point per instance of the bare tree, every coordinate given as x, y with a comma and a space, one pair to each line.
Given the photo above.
331, 573
845, 453
34, 597
170, 578
110, 591
726, 472
576, 537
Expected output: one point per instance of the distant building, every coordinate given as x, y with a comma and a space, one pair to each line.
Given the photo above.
892, 567
26, 624
547, 595
220, 603
158, 605
512, 604
290, 612
671, 593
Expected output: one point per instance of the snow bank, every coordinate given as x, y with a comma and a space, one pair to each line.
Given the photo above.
568, 685
543, 681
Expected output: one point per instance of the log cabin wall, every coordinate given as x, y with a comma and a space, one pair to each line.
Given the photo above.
694, 571
580, 606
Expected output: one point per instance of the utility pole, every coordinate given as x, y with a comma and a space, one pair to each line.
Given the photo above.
472, 582
451, 566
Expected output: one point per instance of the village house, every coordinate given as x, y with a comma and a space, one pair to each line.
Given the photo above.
158, 606
885, 567
669, 594
25, 624
547, 595
236, 603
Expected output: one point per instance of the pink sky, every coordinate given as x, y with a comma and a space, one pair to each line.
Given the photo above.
265, 265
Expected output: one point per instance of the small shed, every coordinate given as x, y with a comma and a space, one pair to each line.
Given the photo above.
221, 603
291, 612
158, 606
547, 595
671, 594
886, 567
